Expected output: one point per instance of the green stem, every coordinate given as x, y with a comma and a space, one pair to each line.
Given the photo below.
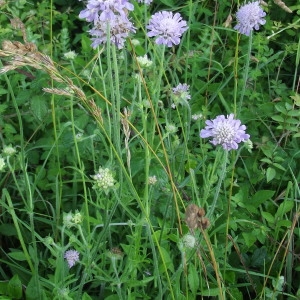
81, 167
218, 187
245, 73
19, 233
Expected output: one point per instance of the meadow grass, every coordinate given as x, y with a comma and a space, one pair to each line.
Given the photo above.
108, 190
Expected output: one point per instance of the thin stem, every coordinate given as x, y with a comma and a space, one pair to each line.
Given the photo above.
218, 187
246, 72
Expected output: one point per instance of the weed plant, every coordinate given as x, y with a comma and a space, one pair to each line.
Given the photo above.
142, 165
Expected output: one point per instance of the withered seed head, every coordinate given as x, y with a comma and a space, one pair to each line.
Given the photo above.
191, 218
204, 223
194, 217
201, 212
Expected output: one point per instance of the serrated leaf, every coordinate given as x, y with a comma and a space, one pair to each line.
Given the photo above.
39, 107
3, 107
258, 258
8, 128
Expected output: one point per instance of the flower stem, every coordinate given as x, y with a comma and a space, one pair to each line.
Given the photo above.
245, 73
221, 178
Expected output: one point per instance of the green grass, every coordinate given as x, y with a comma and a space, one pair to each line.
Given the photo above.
66, 118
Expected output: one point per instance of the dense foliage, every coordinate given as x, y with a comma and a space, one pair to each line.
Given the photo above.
107, 189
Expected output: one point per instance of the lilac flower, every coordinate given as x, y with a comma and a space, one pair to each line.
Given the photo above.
72, 256
110, 8
227, 132
105, 10
91, 13
108, 15
119, 29
167, 28
250, 16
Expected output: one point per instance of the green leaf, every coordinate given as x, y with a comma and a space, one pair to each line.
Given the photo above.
211, 292
284, 223
3, 91
14, 288
267, 216
294, 113
8, 128
283, 208
167, 260
270, 174
8, 229
85, 296
249, 238
3, 108
39, 107
3, 287
230, 277
236, 294
279, 166
193, 279
266, 160
261, 197
281, 108
296, 135
169, 3
86, 44
32, 290
296, 99
112, 297
258, 258
279, 119
17, 255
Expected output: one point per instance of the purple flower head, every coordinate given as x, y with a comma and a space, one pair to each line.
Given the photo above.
91, 13
119, 28
182, 91
227, 132
249, 16
72, 256
167, 28
105, 10
110, 8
